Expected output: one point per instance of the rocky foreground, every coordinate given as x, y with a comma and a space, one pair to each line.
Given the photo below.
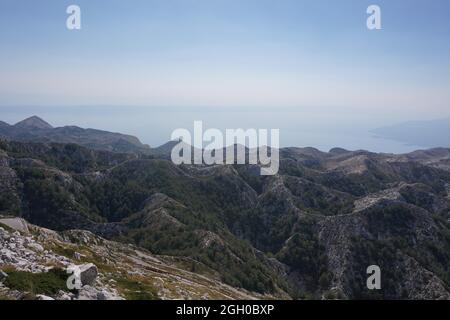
34, 261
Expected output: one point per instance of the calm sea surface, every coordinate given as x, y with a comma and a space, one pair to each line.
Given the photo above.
154, 125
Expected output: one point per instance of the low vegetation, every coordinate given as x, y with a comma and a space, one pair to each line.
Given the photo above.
48, 283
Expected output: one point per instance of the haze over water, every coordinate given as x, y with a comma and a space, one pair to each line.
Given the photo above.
298, 128
310, 68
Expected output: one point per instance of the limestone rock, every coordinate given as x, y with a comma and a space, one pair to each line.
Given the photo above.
88, 273
3, 276
16, 224
36, 247
43, 297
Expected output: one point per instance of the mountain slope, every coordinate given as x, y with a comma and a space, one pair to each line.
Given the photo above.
34, 129
125, 272
310, 231
33, 122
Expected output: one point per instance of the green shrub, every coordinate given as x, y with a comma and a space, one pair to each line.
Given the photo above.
134, 290
48, 283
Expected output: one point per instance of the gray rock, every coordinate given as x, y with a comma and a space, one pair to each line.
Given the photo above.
91, 293
3, 276
64, 295
7, 255
103, 296
87, 293
43, 297
16, 295
88, 273
36, 247
16, 224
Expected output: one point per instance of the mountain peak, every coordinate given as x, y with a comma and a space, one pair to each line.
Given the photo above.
33, 122
3, 124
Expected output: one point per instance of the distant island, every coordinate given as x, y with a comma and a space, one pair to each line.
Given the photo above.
429, 134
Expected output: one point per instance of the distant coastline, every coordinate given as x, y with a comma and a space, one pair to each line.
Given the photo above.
426, 134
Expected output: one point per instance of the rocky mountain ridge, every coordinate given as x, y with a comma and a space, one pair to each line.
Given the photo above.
109, 270
308, 232
34, 129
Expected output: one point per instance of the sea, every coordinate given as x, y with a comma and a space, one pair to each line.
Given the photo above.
323, 129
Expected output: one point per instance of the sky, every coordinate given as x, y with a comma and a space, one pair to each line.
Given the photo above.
311, 55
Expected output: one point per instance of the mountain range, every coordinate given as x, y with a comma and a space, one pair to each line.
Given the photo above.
34, 129
310, 231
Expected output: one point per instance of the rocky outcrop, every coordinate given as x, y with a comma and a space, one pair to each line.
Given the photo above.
88, 274
111, 271
355, 241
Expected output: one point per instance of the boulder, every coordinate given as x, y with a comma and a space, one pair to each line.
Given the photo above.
88, 274
16, 224
87, 293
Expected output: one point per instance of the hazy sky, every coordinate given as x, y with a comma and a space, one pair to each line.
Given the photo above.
237, 53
